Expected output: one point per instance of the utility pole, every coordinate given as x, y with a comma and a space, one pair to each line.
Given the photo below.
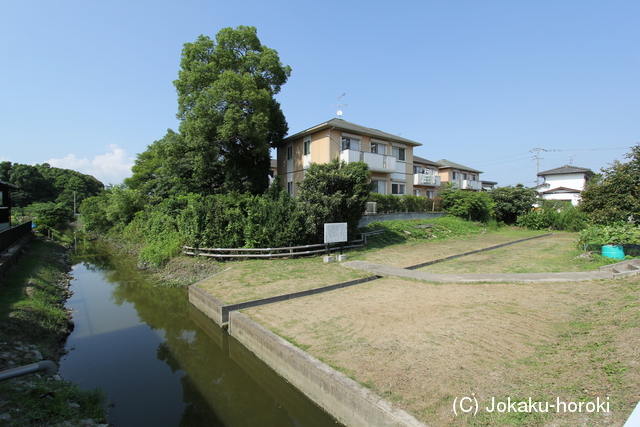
538, 158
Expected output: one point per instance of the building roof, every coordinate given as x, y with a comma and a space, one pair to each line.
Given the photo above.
422, 160
444, 163
351, 127
561, 190
6, 184
273, 163
567, 169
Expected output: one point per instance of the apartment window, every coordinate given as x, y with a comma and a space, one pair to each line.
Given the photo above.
307, 147
464, 176
455, 175
417, 192
418, 169
399, 153
290, 188
289, 152
378, 148
349, 143
398, 189
429, 194
379, 186
473, 178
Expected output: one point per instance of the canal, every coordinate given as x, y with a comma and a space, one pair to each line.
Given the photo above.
162, 362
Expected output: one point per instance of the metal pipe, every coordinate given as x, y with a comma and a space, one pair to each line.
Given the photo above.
47, 366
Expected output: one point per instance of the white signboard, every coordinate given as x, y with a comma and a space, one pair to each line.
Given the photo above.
335, 232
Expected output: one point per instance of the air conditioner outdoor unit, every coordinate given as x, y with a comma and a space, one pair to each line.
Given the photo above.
371, 208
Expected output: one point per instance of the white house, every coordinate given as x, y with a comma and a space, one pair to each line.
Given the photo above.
564, 183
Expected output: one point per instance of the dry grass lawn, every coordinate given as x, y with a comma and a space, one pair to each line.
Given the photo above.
423, 345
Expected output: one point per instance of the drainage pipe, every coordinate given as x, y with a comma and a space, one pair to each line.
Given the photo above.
47, 366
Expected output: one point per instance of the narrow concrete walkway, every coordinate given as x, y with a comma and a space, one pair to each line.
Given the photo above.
384, 270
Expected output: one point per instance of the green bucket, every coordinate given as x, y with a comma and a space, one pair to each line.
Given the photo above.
613, 251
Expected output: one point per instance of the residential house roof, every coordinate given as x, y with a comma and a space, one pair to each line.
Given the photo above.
567, 169
351, 127
444, 163
422, 160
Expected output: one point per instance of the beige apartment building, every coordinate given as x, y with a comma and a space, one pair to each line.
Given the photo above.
461, 176
390, 157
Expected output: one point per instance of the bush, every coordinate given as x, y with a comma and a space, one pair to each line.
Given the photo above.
553, 214
468, 204
334, 192
596, 236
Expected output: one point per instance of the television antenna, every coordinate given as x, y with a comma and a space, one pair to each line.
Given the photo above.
339, 105
538, 158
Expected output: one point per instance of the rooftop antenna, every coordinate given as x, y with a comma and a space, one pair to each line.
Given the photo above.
538, 158
339, 105
571, 159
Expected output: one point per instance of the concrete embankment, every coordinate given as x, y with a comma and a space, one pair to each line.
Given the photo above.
343, 398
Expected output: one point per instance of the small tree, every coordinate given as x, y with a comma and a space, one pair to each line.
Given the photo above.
48, 216
334, 192
511, 202
467, 204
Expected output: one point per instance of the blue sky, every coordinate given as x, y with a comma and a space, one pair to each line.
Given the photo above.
88, 85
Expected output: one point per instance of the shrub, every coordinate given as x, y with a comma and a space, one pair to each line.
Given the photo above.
553, 214
468, 204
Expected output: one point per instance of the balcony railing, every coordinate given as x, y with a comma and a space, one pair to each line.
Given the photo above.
376, 162
426, 179
471, 185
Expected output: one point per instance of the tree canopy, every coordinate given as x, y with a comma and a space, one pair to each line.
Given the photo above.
44, 183
511, 202
229, 118
614, 195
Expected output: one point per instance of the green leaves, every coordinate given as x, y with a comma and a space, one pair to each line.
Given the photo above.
334, 192
614, 195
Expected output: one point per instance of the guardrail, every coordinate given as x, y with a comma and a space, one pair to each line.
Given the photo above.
290, 251
12, 235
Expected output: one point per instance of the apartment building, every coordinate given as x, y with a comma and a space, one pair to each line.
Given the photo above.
426, 177
390, 157
461, 176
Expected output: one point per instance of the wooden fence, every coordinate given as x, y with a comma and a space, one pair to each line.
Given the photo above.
13, 235
291, 251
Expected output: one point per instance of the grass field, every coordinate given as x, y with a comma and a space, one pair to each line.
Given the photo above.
425, 346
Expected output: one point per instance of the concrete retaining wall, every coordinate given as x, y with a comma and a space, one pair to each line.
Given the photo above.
209, 305
368, 219
340, 396
219, 311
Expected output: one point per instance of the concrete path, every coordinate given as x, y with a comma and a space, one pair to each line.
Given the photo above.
384, 270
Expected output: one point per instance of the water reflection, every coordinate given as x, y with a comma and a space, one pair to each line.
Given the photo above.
162, 362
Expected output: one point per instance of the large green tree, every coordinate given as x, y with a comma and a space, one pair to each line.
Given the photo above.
614, 195
229, 115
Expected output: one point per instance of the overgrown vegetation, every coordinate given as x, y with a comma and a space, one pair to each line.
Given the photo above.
34, 320
389, 203
434, 228
554, 215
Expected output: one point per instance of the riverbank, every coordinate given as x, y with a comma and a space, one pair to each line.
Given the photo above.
424, 346
34, 327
